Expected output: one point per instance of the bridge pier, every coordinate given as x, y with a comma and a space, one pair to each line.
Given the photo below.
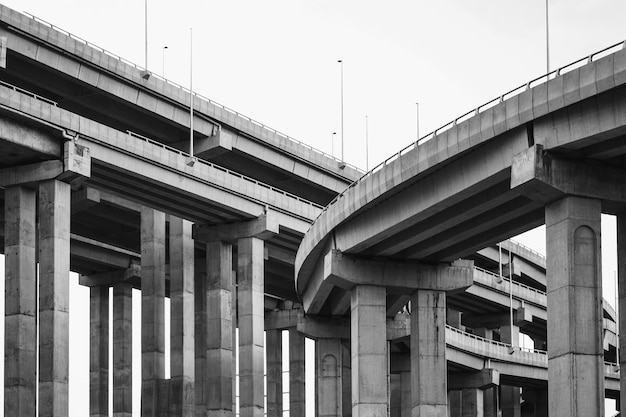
510, 395
122, 349
329, 356
575, 345
621, 269
99, 351
274, 366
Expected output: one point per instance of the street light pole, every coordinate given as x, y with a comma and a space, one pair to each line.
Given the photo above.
191, 159
163, 72
341, 64
367, 156
547, 41
332, 141
418, 121
146, 32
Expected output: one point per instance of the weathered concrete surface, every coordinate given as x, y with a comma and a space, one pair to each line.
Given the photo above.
182, 367
54, 270
329, 367
250, 320
122, 349
473, 402
621, 276
274, 365
218, 381
368, 351
574, 308
297, 378
428, 354
152, 309
99, 352
20, 323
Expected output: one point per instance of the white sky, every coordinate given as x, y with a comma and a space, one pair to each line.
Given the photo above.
276, 61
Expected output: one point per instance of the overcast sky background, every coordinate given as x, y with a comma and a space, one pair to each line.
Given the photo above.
276, 61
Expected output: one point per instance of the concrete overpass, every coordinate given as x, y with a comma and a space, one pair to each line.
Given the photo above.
95, 178
550, 151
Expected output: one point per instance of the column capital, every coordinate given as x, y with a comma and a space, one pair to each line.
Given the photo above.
483, 379
263, 227
346, 271
547, 177
73, 169
110, 278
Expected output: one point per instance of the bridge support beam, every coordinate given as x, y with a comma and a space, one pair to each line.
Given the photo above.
575, 345
152, 311
274, 364
54, 272
122, 349
99, 351
297, 378
329, 377
20, 322
182, 319
369, 351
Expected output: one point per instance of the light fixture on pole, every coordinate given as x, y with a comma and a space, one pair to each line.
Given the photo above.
332, 141
341, 66
163, 72
417, 123
192, 160
547, 41
145, 74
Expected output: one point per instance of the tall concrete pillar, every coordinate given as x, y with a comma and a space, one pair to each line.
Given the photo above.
395, 396
346, 380
490, 397
152, 309
405, 394
511, 396
455, 402
99, 351
369, 351
621, 280
574, 308
182, 357
428, 354
297, 392
54, 271
274, 365
472, 400
20, 311
219, 331
251, 326
329, 367
200, 328
122, 349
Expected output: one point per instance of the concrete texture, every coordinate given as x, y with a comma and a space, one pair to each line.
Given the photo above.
297, 378
428, 354
329, 366
20, 331
99, 352
250, 320
621, 276
122, 349
54, 271
574, 308
368, 351
274, 366
218, 381
152, 310
182, 366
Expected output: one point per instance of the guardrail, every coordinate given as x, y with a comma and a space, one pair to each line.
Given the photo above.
495, 342
220, 168
178, 151
532, 83
515, 242
160, 77
519, 284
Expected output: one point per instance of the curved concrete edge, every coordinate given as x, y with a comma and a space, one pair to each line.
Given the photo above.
574, 86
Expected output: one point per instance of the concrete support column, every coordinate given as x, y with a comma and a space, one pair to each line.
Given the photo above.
152, 309
346, 380
122, 349
182, 319
274, 365
200, 328
251, 326
99, 351
20, 323
54, 271
621, 280
490, 399
472, 400
455, 401
219, 331
428, 354
575, 345
511, 396
297, 379
369, 351
405, 394
329, 366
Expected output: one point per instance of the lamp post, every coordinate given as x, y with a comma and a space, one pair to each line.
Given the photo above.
163, 72
547, 41
417, 125
145, 9
332, 141
341, 65
367, 156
